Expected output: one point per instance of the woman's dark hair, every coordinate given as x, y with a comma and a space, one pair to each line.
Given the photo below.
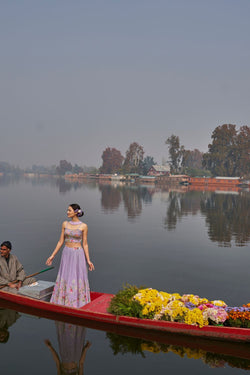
77, 209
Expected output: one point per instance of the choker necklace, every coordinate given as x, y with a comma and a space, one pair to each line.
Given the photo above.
75, 222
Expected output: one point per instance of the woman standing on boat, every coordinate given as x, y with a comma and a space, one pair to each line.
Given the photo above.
72, 286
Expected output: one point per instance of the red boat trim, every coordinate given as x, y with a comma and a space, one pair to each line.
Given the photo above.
96, 311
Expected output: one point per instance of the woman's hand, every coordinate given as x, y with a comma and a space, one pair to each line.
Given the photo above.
49, 261
91, 266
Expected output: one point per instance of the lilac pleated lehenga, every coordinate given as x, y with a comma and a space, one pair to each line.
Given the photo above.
72, 285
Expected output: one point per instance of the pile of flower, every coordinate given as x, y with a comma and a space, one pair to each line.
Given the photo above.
187, 308
238, 316
148, 303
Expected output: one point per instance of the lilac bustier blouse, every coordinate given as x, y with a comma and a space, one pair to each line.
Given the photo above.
72, 235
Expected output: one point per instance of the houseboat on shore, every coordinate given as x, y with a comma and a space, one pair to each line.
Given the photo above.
117, 177
215, 181
147, 179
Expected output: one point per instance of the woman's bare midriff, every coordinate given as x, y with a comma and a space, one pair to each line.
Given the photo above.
73, 244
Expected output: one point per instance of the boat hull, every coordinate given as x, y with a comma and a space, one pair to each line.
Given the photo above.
95, 315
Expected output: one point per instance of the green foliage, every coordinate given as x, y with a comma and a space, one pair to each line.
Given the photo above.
192, 159
112, 161
7, 168
133, 159
195, 172
123, 304
64, 166
228, 154
77, 169
176, 153
239, 323
147, 163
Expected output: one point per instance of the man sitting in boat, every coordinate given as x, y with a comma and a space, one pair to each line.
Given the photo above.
12, 275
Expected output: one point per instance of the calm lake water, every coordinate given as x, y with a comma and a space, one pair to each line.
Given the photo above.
176, 240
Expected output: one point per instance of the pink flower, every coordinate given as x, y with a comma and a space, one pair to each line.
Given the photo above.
202, 307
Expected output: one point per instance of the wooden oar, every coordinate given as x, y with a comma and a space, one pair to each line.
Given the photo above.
33, 274
37, 273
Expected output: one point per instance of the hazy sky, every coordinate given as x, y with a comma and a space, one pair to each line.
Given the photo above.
79, 76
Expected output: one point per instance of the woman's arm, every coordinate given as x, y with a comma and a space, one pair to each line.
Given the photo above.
54, 354
83, 355
86, 246
58, 246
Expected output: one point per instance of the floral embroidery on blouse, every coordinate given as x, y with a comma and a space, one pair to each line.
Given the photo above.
72, 235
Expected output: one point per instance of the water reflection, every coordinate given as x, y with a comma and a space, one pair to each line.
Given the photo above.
72, 348
9, 179
111, 197
132, 197
7, 319
227, 217
181, 204
61, 184
227, 214
219, 356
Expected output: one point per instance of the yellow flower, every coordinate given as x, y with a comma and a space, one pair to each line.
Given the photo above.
202, 301
194, 317
151, 300
176, 296
219, 303
166, 296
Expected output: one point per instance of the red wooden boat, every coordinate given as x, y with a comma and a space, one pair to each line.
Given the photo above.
95, 315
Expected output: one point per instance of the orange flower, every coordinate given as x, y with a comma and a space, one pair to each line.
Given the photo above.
243, 315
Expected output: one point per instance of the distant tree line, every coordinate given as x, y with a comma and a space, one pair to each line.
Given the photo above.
114, 162
8, 168
184, 161
133, 162
228, 154
64, 167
